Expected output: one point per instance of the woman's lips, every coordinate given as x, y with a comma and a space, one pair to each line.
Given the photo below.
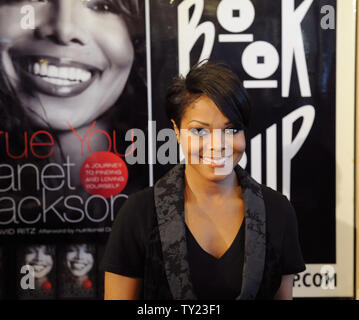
38, 267
55, 76
218, 162
78, 265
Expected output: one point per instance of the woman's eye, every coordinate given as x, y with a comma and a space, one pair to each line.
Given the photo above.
43, 1
231, 131
199, 131
100, 6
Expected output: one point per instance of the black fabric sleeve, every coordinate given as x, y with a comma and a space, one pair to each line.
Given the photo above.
125, 252
291, 257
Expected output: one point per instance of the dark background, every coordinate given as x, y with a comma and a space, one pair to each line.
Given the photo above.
313, 169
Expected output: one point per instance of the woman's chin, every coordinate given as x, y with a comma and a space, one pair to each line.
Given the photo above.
214, 174
57, 124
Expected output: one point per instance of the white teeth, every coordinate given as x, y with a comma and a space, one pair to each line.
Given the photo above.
86, 76
63, 73
72, 74
207, 160
60, 75
59, 82
36, 68
43, 69
78, 73
53, 71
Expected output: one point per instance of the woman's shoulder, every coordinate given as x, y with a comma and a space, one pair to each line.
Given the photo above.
141, 200
141, 197
272, 194
281, 217
277, 205
138, 207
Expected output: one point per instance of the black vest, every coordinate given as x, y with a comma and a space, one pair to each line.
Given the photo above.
167, 274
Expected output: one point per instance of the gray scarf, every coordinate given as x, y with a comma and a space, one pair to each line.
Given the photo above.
169, 203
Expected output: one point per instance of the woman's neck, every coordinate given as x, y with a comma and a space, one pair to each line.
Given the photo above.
202, 190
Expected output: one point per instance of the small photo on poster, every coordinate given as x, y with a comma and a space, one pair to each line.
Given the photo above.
77, 271
36, 272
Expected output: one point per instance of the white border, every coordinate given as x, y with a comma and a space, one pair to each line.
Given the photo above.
149, 91
345, 133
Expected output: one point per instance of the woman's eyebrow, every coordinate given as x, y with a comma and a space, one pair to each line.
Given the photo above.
204, 123
207, 124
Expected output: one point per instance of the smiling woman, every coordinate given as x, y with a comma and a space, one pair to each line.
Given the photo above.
83, 62
201, 233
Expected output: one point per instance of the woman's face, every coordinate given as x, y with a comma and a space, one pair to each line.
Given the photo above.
79, 260
39, 258
73, 66
209, 140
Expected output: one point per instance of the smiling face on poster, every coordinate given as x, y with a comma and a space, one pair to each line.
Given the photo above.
40, 259
73, 66
71, 73
72, 83
77, 271
79, 260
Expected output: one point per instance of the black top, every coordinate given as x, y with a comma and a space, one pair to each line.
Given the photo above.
212, 277
127, 250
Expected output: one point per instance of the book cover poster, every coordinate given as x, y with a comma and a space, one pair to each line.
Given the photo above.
71, 92
72, 89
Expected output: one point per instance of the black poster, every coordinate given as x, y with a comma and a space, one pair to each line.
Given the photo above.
287, 62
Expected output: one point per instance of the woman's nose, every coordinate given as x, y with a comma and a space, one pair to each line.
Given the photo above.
218, 143
59, 26
78, 253
39, 253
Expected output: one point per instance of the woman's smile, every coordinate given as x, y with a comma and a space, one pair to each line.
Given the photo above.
216, 162
78, 265
54, 76
38, 267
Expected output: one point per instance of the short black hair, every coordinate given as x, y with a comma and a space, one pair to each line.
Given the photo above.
219, 83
